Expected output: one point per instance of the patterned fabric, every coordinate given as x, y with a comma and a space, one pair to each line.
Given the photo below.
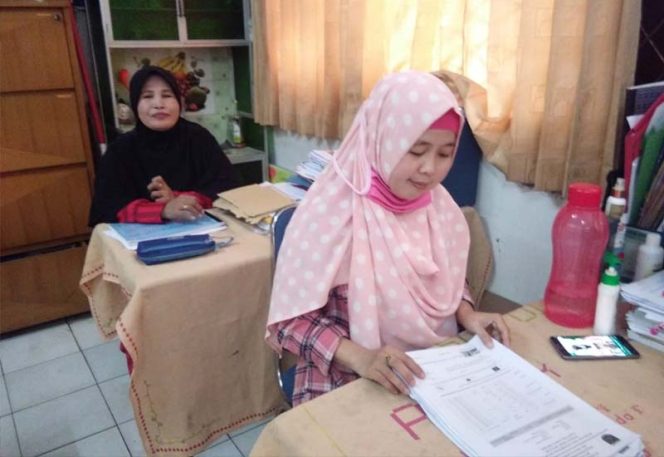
405, 272
146, 211
314, 337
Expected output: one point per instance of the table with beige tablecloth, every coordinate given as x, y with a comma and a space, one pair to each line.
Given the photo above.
363, 419
194, 330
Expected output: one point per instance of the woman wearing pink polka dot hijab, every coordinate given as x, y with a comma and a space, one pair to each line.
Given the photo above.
373, 262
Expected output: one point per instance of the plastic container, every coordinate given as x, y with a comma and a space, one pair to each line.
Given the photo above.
615, 204
650, 257
580, 233
607, 303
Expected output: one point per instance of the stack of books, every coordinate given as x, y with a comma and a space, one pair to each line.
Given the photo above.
645, 323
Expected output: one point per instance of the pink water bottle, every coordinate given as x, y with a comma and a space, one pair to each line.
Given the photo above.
580, 233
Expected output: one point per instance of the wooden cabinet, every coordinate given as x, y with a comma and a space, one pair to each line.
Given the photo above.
46, 169
176, 22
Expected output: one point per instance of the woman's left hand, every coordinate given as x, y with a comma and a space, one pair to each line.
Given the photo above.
160, 191
484, 325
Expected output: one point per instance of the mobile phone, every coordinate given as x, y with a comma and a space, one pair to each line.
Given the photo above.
594, 347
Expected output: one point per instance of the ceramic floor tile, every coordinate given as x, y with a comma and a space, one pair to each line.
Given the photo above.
48, 380
225, 449
106, 361
248, 427
116, 393
8, 441
38, 346
132, 438
64, 420
4, 400
246, 441
108, 443
85, 331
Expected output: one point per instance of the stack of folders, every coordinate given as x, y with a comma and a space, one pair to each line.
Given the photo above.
491, 402
646, 321
131, 234
254, 204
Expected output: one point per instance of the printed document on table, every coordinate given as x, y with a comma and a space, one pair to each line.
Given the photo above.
491, 402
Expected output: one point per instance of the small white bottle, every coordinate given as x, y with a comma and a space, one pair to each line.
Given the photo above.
607, 303
650, 257
615, 204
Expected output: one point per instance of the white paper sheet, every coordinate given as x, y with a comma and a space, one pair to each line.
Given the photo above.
491, 402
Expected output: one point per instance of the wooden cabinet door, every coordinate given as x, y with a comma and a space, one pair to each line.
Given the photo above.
41, 288
39, 129
34, 54
43, 205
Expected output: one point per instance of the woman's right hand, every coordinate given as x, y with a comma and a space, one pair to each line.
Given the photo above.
160, 191
388, 366
182, 208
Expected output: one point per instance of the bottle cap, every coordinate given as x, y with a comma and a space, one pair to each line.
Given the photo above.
610, 277
618, 189
653, 239
611, 259
584, 194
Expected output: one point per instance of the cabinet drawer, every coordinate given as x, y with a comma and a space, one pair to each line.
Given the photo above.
34, 52
41, 287
44, 205
39, 129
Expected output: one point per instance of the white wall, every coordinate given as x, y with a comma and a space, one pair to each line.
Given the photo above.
517, 218
519, 222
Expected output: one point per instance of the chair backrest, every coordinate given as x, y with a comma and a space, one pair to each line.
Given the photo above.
480, 257
286, 364
461, 181
279, 223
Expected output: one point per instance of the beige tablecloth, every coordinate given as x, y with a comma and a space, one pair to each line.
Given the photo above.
194, 329
363, 419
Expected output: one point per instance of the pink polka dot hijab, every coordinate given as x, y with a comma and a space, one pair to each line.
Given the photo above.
405, 270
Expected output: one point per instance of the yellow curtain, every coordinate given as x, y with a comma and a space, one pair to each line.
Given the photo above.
542, 81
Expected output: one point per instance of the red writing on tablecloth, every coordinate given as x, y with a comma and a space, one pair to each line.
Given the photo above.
546, 369
632, 413
407, 424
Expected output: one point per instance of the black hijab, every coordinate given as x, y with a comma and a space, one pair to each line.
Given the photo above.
187, 156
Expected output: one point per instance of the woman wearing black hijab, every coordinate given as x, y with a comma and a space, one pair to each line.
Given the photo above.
167, 168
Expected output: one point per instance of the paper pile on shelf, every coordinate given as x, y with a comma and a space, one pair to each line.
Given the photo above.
316, 162
646, 322
131, 234
491, 402
254, 204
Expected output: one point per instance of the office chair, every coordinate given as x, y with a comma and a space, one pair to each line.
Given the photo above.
285, 365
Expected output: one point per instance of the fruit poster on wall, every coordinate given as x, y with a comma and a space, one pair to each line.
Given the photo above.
204, 76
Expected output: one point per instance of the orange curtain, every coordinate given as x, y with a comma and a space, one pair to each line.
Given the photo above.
542, 81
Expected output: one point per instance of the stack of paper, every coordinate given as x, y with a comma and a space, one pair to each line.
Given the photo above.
131, 234
491, 402
254, 204
314, 165
646, 321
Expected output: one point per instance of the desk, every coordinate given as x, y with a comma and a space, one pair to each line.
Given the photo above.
363, 419
194, 329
